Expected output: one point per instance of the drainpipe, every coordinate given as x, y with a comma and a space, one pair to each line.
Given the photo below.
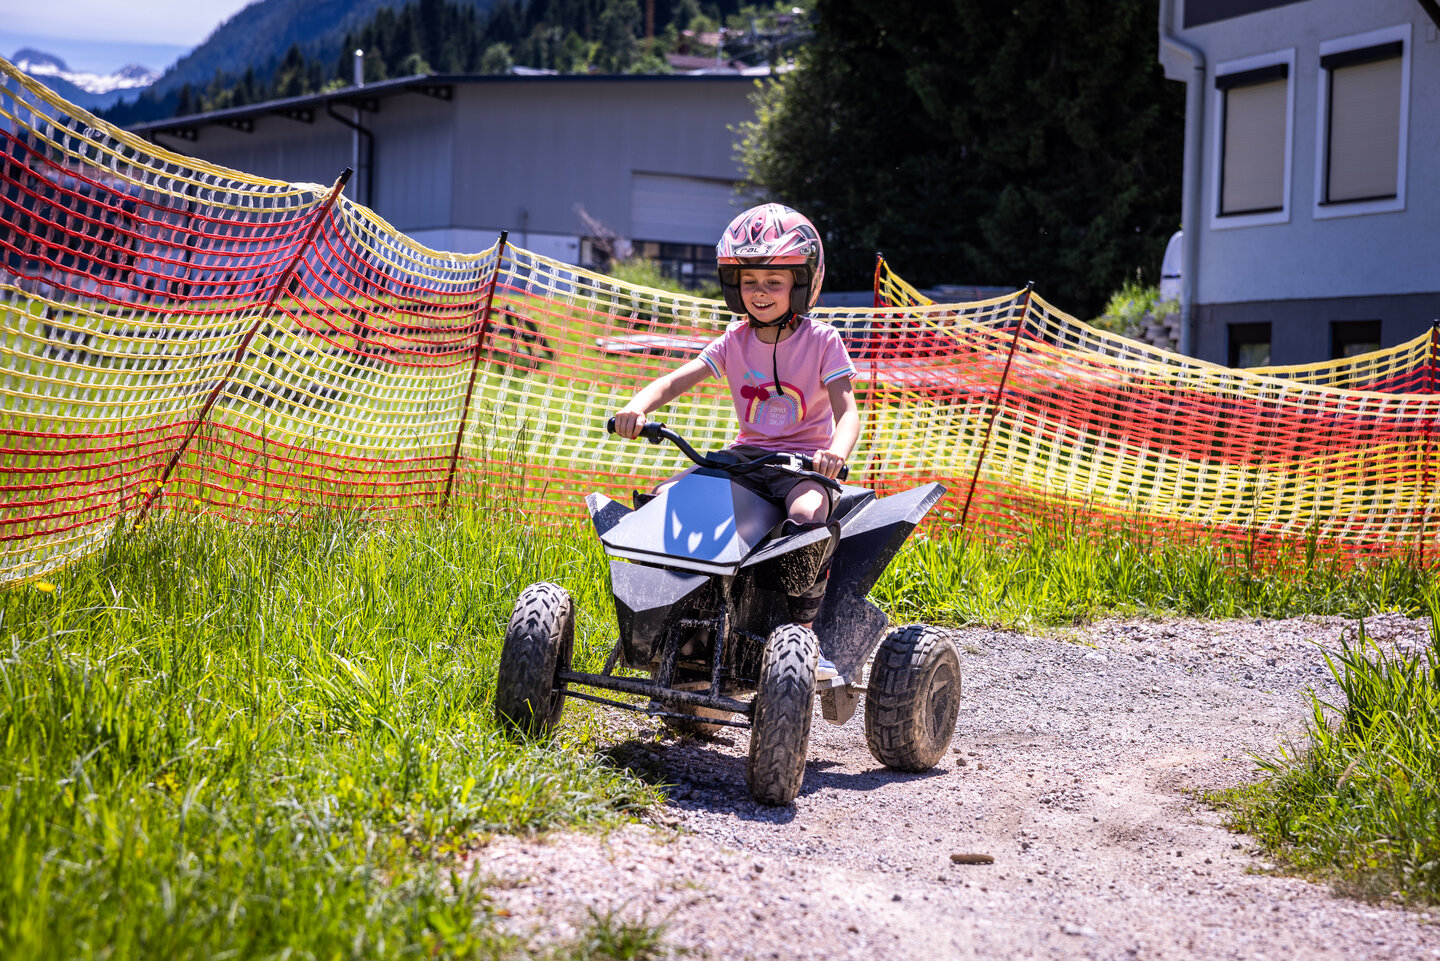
368, 170
369, 192
358, 75
1185, 62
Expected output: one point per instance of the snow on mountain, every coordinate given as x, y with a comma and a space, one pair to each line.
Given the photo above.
45, 66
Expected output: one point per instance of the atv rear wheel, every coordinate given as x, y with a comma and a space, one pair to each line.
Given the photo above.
913, 698
780, 724
538, 644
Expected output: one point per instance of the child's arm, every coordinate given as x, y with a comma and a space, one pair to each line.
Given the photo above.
659, 392
847, 428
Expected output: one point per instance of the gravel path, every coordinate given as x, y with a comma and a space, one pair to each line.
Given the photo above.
1077, 763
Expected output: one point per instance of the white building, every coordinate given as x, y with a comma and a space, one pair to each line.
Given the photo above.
1312, 195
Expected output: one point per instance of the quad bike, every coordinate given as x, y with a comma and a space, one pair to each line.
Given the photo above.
700, 572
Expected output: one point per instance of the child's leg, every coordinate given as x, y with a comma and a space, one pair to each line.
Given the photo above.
809, 504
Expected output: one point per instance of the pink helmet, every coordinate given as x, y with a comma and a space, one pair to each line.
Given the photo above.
772, 235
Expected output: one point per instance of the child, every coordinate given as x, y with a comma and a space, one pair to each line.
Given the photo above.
789, 376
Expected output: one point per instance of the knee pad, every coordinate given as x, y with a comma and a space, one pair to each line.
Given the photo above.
803, 608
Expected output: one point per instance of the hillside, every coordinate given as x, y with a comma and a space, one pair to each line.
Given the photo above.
259, 35
282, 48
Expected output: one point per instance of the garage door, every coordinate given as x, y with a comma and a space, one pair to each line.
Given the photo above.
681, 210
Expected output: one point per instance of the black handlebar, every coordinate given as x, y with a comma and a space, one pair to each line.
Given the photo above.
655, 431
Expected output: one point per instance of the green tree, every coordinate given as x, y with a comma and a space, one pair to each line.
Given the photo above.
414, 65
617, 27
497, 59
980, 142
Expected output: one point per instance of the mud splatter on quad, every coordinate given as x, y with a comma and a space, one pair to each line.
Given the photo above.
700, 575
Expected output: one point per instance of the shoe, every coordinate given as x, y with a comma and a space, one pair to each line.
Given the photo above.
825, 670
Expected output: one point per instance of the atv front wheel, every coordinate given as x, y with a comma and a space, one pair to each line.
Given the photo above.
780, 725
913, 698
538, 645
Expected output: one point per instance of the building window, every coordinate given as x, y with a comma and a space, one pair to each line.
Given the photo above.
1249, 345
1253, 107
1350, 338
1364, 102
690, 265
1253, 178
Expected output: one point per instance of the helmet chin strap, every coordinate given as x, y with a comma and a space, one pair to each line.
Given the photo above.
785, 320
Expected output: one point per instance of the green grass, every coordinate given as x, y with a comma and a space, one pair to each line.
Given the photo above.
1066, 575
1357, 802
277, 740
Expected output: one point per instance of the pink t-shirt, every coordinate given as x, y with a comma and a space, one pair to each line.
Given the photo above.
798, 418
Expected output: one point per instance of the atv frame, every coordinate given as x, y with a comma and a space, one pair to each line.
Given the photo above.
700, 572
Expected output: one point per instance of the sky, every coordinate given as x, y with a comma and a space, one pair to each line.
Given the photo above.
102, 36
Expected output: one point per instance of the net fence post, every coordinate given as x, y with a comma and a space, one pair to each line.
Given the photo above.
282, 281
500, 247
995, 404
875, 284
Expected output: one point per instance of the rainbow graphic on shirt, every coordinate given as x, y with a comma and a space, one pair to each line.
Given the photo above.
773, 410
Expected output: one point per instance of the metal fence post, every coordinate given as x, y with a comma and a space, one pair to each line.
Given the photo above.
995, 404
282, 281
474, 367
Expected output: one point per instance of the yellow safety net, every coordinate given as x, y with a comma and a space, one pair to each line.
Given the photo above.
182, 338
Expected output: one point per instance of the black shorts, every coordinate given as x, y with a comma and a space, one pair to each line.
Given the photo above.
772, 483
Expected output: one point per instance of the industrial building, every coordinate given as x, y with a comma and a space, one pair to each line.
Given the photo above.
453, 160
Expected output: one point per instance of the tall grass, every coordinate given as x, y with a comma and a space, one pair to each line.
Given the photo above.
269, 741
274, 740
1358, 801
1066, 574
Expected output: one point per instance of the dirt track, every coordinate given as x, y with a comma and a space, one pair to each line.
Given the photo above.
1077, 763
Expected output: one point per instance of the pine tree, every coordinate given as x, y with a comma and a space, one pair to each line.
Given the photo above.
980, 141
617, 28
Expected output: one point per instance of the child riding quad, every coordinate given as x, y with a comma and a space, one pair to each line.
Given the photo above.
730, 563
700, 576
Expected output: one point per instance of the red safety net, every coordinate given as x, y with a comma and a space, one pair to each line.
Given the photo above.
180, 338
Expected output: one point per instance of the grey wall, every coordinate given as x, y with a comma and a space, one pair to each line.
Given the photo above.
1308, 270
545, 146
509, 153
1308, 258
1300, 329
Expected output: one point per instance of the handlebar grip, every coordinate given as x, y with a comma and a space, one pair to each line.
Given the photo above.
808, 463
651, 431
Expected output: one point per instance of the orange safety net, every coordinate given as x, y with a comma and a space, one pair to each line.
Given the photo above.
180, 338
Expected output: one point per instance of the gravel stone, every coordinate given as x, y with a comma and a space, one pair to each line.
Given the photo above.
1087, 783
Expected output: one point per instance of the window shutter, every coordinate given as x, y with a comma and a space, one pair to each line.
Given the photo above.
1253, 171
1364, 137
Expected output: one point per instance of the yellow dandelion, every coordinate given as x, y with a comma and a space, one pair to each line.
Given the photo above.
45, 586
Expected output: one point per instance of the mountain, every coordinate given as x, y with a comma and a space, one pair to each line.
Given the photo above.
259, 35
92, 91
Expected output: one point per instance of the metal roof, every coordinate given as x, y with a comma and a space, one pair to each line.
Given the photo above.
366, 97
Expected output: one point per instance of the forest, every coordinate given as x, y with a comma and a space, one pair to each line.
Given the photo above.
446, 36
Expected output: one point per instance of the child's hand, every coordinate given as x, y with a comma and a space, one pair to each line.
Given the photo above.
628, 422
828, 462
